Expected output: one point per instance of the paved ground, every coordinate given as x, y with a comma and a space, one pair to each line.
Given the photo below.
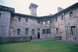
55, 40
73, 42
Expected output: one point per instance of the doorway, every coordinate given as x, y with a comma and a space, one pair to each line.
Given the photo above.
38, 35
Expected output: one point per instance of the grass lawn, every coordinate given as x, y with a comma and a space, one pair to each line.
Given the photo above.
39, 46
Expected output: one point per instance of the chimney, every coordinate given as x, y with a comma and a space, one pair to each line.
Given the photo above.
59, 9
33, 9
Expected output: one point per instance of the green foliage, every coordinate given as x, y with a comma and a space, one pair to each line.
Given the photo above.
39, 46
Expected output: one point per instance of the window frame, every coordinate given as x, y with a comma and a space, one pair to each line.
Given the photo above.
26, 20
62, 17
19, 19
18, 31
56, 19
26, 31
73, 30
71, 13
33, 31
0, 15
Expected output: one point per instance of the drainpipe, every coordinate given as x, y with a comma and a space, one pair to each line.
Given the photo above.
69, 32
65, 25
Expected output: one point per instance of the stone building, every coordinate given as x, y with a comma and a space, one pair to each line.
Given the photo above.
63, 24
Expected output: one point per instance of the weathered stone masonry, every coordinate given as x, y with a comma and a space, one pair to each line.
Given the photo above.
62, 25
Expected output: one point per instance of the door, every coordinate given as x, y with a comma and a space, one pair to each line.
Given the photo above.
38, 35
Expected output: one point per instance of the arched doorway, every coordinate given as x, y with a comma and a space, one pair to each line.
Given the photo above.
38, 35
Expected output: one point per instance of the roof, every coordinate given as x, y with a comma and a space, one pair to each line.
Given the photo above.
23, 15
5, 8
63, 11
42, 17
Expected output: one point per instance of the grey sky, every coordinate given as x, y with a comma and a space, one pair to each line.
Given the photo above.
45, 7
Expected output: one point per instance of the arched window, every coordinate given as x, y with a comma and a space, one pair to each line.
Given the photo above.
48, 22
43, 22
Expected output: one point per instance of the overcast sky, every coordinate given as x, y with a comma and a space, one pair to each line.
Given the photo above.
45, 7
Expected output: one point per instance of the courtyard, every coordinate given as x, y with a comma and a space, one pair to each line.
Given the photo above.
39, 46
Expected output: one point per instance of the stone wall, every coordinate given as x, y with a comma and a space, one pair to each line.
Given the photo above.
4, 23
64, 25
14, 39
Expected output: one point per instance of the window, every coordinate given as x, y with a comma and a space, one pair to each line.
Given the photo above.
38, 21
43, 31
71, 13
26, 31
26, 20
0, 15
48, 22
19, 19
56, 19
62, 17
0, 29
73, 30
33, 31
48, 31
18, 31
43, 22
57, 31
38, 29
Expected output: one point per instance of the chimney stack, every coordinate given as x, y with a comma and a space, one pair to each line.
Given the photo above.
33, 9
59, 9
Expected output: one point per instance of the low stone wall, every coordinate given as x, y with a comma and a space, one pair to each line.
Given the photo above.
58, 37
14, 39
